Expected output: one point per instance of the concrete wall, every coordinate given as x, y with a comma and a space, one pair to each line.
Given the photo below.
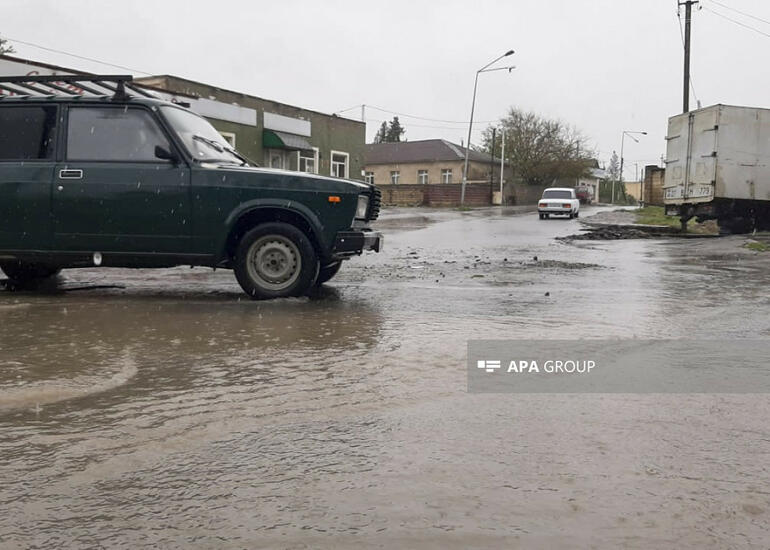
435, 195
633, 189
521, 194
653, 185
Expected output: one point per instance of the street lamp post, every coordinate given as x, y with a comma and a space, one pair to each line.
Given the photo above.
622, 143
485, 68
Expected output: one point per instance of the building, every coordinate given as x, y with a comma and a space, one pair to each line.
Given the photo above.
426, 162
652, 190
268, 132
593, 178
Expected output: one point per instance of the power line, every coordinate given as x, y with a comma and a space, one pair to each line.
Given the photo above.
32, 44
739, 11
744, 25
426, 118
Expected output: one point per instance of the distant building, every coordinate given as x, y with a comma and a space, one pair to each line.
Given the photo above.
426, 162
593, 178
633, 189
268, 132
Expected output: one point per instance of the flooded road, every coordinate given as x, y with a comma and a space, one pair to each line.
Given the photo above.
162, 409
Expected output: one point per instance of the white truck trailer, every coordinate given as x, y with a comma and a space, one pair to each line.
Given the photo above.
718, 167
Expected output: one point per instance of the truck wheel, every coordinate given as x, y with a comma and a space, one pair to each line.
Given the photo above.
328, 272
24, 273
275, 260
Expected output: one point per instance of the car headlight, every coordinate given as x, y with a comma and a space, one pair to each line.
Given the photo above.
363, 206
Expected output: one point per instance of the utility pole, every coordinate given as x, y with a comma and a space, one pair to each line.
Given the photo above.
492, 162
687, 20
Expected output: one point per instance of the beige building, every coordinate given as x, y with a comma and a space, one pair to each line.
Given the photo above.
634, 189
430, 161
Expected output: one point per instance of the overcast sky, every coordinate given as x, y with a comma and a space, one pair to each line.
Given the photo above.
603, 66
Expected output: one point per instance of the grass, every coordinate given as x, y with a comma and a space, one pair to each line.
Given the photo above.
757, 246
655, 215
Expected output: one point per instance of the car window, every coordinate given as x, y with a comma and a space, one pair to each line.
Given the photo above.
553, 194
113, 134
27, 133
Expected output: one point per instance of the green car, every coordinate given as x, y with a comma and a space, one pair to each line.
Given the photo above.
119, 178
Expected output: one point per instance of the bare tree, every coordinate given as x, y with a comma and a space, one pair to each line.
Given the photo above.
541, 150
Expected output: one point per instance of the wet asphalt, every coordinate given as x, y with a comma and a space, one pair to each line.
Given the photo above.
160, 408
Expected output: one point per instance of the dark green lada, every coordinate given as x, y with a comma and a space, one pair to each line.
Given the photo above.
133, 181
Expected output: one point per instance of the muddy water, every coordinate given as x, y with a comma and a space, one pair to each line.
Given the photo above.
172, 413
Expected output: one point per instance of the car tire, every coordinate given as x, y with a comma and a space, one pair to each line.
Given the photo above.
571, 215
542, 216
326, 273
577, 214
275, 260
23, 273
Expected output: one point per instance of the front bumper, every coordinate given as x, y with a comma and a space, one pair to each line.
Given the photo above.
352, 243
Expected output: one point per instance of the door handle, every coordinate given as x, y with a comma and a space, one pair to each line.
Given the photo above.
70, 174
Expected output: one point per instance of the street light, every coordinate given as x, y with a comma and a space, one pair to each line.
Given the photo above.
483, 69
622, 143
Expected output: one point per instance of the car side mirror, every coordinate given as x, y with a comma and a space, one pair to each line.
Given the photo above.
164, 154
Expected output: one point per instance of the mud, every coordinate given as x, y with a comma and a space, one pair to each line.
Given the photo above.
162, 409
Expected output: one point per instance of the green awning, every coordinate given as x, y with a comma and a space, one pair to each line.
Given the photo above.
273, 139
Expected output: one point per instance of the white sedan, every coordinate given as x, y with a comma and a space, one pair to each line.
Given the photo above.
558, 200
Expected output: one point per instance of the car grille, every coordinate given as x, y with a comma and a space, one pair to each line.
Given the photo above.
375, 201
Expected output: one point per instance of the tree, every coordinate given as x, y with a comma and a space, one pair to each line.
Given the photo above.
395, 131
390, 133
541, 150
5, 47
613, 168
382, 133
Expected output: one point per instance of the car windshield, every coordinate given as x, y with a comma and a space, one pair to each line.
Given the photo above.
556, 194
200, 138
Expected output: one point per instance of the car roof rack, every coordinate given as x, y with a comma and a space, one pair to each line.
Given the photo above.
116, 87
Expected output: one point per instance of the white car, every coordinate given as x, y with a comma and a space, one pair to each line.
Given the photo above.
558, 200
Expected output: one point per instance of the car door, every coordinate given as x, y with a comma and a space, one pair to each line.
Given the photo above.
112, 193
27, 145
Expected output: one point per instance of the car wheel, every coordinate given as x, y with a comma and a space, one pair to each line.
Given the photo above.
326, 273
571, 215
577, 214
25, 273
275, 260
542, 216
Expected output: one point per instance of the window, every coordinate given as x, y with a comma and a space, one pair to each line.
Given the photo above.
275, 158
308, 161
340, 164
557, 194
229, 138
446, 175
369, 178
116, 134
27, 132
394, 175
188, 125
422, 177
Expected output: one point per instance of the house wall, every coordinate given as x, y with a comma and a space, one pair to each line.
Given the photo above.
478, 172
